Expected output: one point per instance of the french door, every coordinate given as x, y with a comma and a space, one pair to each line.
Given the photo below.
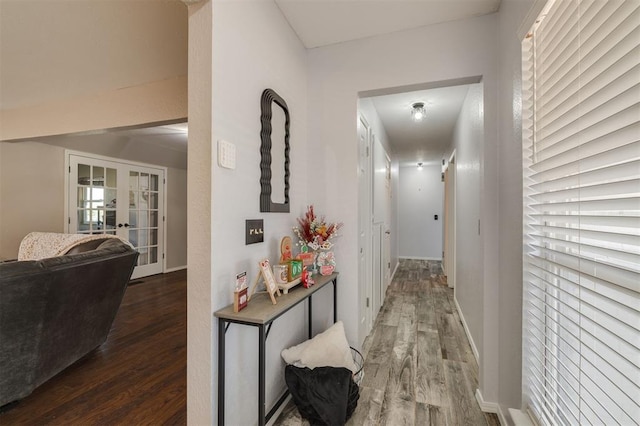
127, 200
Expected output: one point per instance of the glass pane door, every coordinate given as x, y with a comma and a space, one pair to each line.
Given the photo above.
110, 197
96, 192
144, 215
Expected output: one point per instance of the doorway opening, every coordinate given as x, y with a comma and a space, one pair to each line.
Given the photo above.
119, 177
413, 214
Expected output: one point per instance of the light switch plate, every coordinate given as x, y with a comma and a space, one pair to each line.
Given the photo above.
226, 154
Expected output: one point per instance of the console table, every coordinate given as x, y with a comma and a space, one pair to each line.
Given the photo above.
261, 313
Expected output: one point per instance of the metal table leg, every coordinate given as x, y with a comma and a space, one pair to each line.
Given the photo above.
262, 338
335, 300
310, 317
221, 355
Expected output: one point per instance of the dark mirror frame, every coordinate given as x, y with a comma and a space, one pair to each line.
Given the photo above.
269, 97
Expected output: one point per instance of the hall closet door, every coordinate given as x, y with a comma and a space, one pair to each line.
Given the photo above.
124, 199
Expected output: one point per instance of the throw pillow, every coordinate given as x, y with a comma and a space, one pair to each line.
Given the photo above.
329, 349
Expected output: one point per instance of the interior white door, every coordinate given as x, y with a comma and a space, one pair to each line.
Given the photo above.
381, 251
110, 197
364, 228
145, 218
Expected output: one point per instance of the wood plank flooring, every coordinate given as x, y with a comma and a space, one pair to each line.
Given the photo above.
419, 368
137, 377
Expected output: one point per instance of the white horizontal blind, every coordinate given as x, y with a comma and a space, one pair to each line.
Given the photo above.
581, 132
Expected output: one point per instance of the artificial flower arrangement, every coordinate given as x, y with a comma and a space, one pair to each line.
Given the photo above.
314, 232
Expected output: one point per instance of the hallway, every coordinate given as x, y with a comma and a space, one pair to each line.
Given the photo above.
419, 368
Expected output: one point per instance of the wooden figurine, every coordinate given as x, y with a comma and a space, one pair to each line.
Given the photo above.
285, 249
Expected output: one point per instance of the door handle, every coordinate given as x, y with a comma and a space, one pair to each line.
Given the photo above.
120, 225
126, 225
387, 232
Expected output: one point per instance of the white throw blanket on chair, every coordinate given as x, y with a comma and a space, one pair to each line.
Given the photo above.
42, 245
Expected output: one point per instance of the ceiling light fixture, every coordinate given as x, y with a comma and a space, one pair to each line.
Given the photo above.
418, 112
419, 166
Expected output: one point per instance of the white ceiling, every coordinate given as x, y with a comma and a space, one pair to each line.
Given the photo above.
427, 140
171, 136
164, 145
323, 22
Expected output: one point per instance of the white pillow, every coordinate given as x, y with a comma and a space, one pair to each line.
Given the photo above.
293, 354
328, 349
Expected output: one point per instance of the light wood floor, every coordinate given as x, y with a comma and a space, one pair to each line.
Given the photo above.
419, 368
137, 377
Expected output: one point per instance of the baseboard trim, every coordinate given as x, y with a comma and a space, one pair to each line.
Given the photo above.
279, 411
491, 407
174, 269
393, 274
419, 258
487, 407
466, 330
501, 417
521, 418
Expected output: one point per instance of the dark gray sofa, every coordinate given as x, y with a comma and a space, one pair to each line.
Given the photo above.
54, 311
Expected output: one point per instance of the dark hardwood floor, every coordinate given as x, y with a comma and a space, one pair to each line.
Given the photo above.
419, 368
137, 377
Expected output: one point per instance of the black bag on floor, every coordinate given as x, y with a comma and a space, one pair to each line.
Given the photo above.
325, 395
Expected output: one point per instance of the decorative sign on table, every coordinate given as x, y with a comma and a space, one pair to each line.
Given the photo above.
240, 297
295, 269
266, 274
306, 257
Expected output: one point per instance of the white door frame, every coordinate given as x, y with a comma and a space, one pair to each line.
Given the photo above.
365, 199
67, 164
450, 256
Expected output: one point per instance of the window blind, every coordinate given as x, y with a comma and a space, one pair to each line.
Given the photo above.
581, 177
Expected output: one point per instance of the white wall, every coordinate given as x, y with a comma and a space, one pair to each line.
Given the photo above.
200, 331
176, 249
31, 193
468, 137
512, 15
254, 48
436, 53
73, 66
421, 197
